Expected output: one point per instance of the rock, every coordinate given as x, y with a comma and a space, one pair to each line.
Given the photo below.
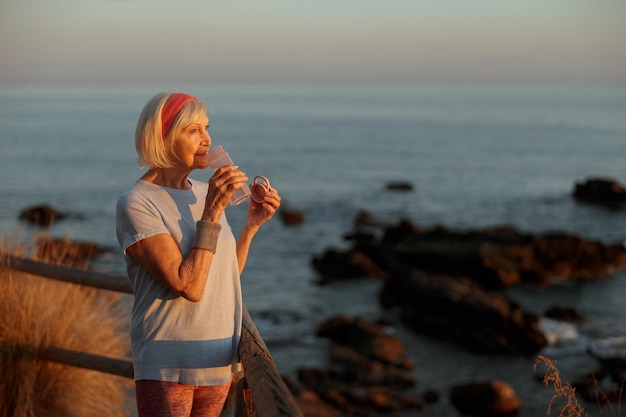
351, 366
502, 257
459, 310
312, 405
41, 215
569, 315
365, 337
336, 265
379, 398
430, 396
493, 398
399, 186
498, 257
601, 191
369, 367
353, 399
291, 217
365, 219
317, 379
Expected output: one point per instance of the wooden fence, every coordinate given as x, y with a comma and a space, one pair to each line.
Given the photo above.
261, 392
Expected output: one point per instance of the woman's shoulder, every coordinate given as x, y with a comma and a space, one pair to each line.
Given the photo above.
140, 190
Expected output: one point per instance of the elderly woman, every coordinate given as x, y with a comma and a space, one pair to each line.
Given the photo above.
183, 262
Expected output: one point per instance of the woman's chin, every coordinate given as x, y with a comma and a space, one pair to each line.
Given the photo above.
201, 162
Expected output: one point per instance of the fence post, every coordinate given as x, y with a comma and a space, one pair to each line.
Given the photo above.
271, 396
244, 403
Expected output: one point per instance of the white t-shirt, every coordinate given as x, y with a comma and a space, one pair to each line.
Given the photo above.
172, 338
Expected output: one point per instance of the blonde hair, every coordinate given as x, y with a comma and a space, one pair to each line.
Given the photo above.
154, 150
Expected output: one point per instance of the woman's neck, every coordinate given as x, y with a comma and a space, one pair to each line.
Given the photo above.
167, 177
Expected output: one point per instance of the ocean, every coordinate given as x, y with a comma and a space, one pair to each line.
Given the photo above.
476, 156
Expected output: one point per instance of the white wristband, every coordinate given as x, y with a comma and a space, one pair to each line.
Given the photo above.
206, 235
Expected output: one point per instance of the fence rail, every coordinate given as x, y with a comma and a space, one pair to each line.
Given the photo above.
269, 394
62, 273
120, 367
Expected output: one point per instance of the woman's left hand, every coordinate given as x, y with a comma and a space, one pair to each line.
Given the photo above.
259, 213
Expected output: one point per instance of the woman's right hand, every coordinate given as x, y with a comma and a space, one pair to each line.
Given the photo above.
222, 185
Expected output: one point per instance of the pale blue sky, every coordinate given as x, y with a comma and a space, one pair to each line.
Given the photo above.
414, 42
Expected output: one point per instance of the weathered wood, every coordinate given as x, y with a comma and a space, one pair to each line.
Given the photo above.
121, 367
271, 396
244, 403
63, 273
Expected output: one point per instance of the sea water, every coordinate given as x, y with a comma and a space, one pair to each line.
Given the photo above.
476, 157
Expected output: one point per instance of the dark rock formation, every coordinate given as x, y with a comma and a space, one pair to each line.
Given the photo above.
399, 186
493, 398
601, 191
459, 310
312, 405
568, 315
366, 338
369, 368
352, 398
364, 219
335, 265
290, 217
41, 215
494, 257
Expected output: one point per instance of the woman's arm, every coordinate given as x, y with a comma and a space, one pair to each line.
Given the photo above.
243, 246
160, 256
258, 214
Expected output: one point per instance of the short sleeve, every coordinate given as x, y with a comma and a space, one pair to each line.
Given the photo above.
136, 218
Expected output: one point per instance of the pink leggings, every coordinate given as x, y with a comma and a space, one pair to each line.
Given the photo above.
171, 399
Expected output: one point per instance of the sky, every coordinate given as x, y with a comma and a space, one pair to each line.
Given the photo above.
393, 42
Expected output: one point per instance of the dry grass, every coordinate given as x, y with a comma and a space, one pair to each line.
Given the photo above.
40, 312
562, 390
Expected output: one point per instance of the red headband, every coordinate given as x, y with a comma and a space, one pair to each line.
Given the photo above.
171, 108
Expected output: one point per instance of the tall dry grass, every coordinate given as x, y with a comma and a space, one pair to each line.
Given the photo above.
40, 312
565, 395
563, 391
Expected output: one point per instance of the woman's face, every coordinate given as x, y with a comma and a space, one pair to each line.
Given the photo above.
192, 144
